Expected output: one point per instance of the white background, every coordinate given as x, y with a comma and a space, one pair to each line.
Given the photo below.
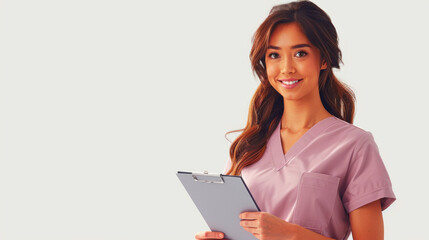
101, 102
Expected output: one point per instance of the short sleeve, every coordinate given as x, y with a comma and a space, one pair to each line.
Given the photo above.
367, 179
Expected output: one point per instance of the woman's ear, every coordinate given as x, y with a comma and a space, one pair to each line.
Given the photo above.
324, 65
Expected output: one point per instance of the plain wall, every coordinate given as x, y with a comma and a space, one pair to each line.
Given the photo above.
101, 102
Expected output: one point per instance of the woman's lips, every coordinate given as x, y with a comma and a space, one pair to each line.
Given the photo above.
290, 83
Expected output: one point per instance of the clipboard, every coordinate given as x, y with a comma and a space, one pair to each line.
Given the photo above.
220, 200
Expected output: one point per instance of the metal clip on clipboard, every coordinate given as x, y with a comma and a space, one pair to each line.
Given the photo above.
208, 178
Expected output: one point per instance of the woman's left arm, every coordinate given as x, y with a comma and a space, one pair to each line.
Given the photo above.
366, 222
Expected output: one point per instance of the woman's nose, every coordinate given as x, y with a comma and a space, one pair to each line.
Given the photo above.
287, 66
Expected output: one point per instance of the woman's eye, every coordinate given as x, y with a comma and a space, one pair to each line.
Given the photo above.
301, 54
273, 55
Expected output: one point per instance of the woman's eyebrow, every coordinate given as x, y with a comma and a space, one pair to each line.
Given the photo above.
293, 47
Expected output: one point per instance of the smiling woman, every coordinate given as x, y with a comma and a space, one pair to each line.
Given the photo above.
289, 60
313, 174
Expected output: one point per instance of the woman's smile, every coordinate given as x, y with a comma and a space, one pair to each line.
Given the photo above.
290, 83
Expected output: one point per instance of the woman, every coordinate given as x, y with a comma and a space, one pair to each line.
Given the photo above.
312, 172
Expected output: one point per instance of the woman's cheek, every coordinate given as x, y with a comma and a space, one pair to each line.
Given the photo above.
271, 71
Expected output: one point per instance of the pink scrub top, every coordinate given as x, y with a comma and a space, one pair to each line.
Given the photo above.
333, 169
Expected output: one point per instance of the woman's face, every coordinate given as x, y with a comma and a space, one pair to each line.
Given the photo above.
293, 64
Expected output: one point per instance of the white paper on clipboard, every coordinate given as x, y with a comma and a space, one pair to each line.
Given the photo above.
220, 200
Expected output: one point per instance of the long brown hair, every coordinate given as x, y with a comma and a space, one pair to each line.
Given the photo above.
266, 106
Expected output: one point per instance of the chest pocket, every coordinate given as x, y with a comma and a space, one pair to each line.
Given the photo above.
315, 201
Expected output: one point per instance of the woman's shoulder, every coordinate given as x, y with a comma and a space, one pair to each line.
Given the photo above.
349, 131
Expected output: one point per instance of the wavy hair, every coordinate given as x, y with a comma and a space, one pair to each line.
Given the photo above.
266, 106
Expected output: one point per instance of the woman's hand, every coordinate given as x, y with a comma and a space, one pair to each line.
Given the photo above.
209, 235
265, 226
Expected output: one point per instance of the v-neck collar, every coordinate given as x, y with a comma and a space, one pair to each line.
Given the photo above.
280, 159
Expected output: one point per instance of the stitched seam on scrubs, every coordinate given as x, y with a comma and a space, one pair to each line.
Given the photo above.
354, 153
356, 201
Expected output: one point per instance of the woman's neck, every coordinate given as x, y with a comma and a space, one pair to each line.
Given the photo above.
301, 115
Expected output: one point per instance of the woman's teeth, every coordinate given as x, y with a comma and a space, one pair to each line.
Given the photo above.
290, 82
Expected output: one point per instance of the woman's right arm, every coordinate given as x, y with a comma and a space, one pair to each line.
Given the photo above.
209, 235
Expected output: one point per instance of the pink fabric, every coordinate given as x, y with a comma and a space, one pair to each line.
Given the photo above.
333, 169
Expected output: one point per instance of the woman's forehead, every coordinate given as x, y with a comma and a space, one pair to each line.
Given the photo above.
288, 35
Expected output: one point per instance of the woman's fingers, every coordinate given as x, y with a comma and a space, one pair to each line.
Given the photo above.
250, 220
249, 223
250, 215
209, 235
